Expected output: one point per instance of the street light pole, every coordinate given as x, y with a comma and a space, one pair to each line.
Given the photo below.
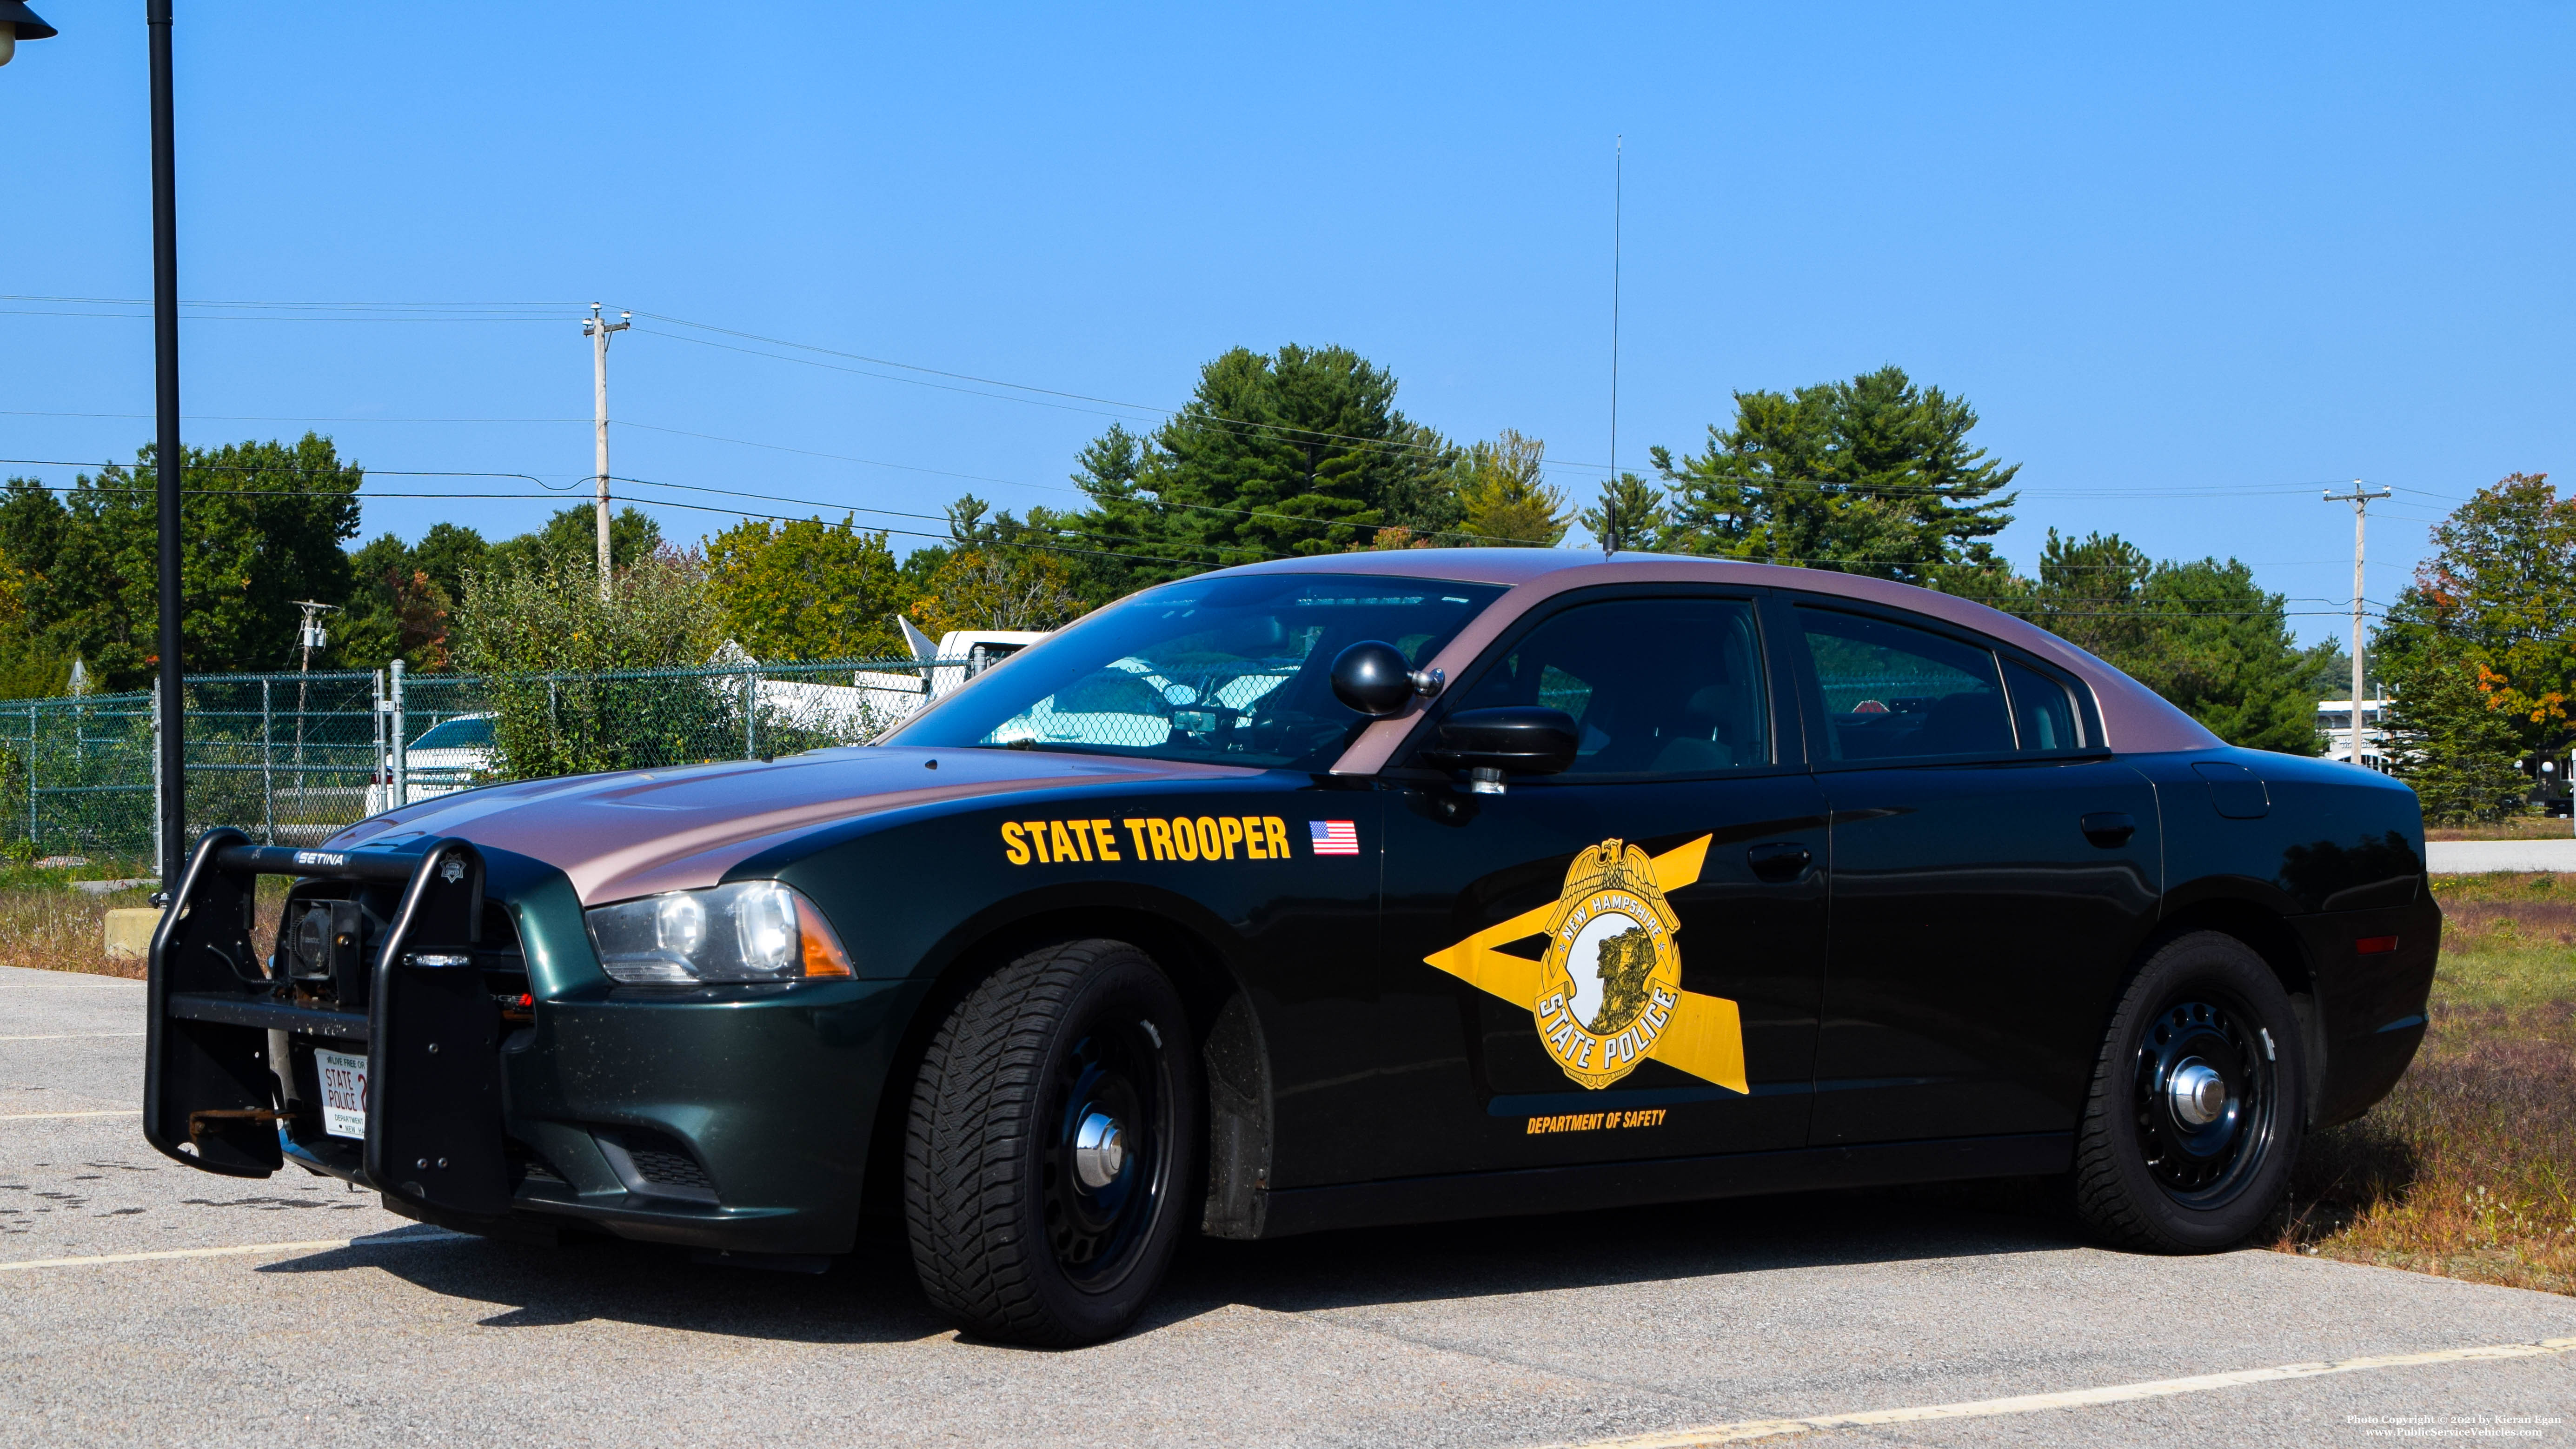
168, 454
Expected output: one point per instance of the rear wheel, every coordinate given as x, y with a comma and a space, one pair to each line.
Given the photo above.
2197, 1105
1053, 1132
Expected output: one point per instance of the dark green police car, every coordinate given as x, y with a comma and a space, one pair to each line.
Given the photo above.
1366, 889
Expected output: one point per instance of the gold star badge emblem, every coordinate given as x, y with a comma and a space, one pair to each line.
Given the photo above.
1607, 994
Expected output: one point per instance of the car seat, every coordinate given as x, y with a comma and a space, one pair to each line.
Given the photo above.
1971, 722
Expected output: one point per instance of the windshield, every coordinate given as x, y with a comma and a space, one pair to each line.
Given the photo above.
461, 733
1230, 671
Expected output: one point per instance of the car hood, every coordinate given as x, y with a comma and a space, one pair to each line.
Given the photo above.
637, 832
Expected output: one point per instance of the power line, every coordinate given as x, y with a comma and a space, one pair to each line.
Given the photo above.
532, 311
269, 418
508, 312
835, 505
122, 468
224, 317
554, 312
2143, 610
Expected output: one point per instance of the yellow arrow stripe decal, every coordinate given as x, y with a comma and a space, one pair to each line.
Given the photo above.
1677, 867
1706, 1040
1706, 1037
1476, 962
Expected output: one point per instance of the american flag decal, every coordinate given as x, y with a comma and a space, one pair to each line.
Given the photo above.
1335, 837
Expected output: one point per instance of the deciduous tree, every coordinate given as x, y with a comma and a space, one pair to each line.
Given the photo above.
402, 596
571, 536
806, 589
519, 627
992, 587
262, 527
2496, 597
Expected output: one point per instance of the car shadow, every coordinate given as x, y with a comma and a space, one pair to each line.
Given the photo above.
1498, 1256
869, 1295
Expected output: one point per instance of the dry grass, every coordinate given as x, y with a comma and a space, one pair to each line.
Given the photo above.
2518, 827
46, 924
2469, 1168
53, 928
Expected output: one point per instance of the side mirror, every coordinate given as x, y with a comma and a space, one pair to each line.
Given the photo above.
1374, 678
1519, 738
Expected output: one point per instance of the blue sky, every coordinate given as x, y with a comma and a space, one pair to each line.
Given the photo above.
2191, 265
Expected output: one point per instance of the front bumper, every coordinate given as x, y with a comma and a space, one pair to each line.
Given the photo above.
731, 1118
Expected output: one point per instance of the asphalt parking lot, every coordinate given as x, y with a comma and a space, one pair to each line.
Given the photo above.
145, 1303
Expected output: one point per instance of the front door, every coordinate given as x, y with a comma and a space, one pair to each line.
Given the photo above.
1633, 949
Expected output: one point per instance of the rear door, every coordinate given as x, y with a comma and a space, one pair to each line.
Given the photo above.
1992, 871
1631, 951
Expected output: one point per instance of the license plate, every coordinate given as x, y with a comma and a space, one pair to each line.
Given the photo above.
344, 1093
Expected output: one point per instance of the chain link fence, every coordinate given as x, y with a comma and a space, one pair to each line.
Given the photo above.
294, 758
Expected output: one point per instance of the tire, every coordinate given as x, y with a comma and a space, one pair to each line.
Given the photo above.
2156, 1167
1023, 1229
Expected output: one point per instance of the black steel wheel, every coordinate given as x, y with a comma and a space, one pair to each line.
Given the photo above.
2198, 1101
1054, 1124
1108, 1156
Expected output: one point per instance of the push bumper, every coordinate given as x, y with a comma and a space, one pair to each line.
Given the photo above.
728, 1118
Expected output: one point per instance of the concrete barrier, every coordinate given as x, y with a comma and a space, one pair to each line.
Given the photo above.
2470, 857
129, 932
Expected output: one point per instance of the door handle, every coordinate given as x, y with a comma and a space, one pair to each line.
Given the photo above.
2109, 829
1780, 861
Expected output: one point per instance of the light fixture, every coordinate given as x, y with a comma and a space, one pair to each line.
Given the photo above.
18, 23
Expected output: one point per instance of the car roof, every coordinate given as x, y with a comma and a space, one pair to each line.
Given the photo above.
2134, 718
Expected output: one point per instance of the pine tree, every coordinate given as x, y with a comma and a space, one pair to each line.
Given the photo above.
1631, 516
1290, 454
2450, 741
1872, 476
2199, 632
1504, 500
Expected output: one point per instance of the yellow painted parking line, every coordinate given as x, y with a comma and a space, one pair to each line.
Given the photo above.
44, 1116
1748, 1430
72, 1036
309, 1245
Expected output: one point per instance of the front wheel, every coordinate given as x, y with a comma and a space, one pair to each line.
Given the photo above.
2198, 1102
1052, 1137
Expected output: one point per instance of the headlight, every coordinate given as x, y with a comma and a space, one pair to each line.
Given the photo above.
753, 930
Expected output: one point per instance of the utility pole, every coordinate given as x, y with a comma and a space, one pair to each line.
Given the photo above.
597, 330
312, 636
2360, 499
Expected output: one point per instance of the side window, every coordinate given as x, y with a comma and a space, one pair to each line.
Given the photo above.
2043, 712
1892, 692
1655, 686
